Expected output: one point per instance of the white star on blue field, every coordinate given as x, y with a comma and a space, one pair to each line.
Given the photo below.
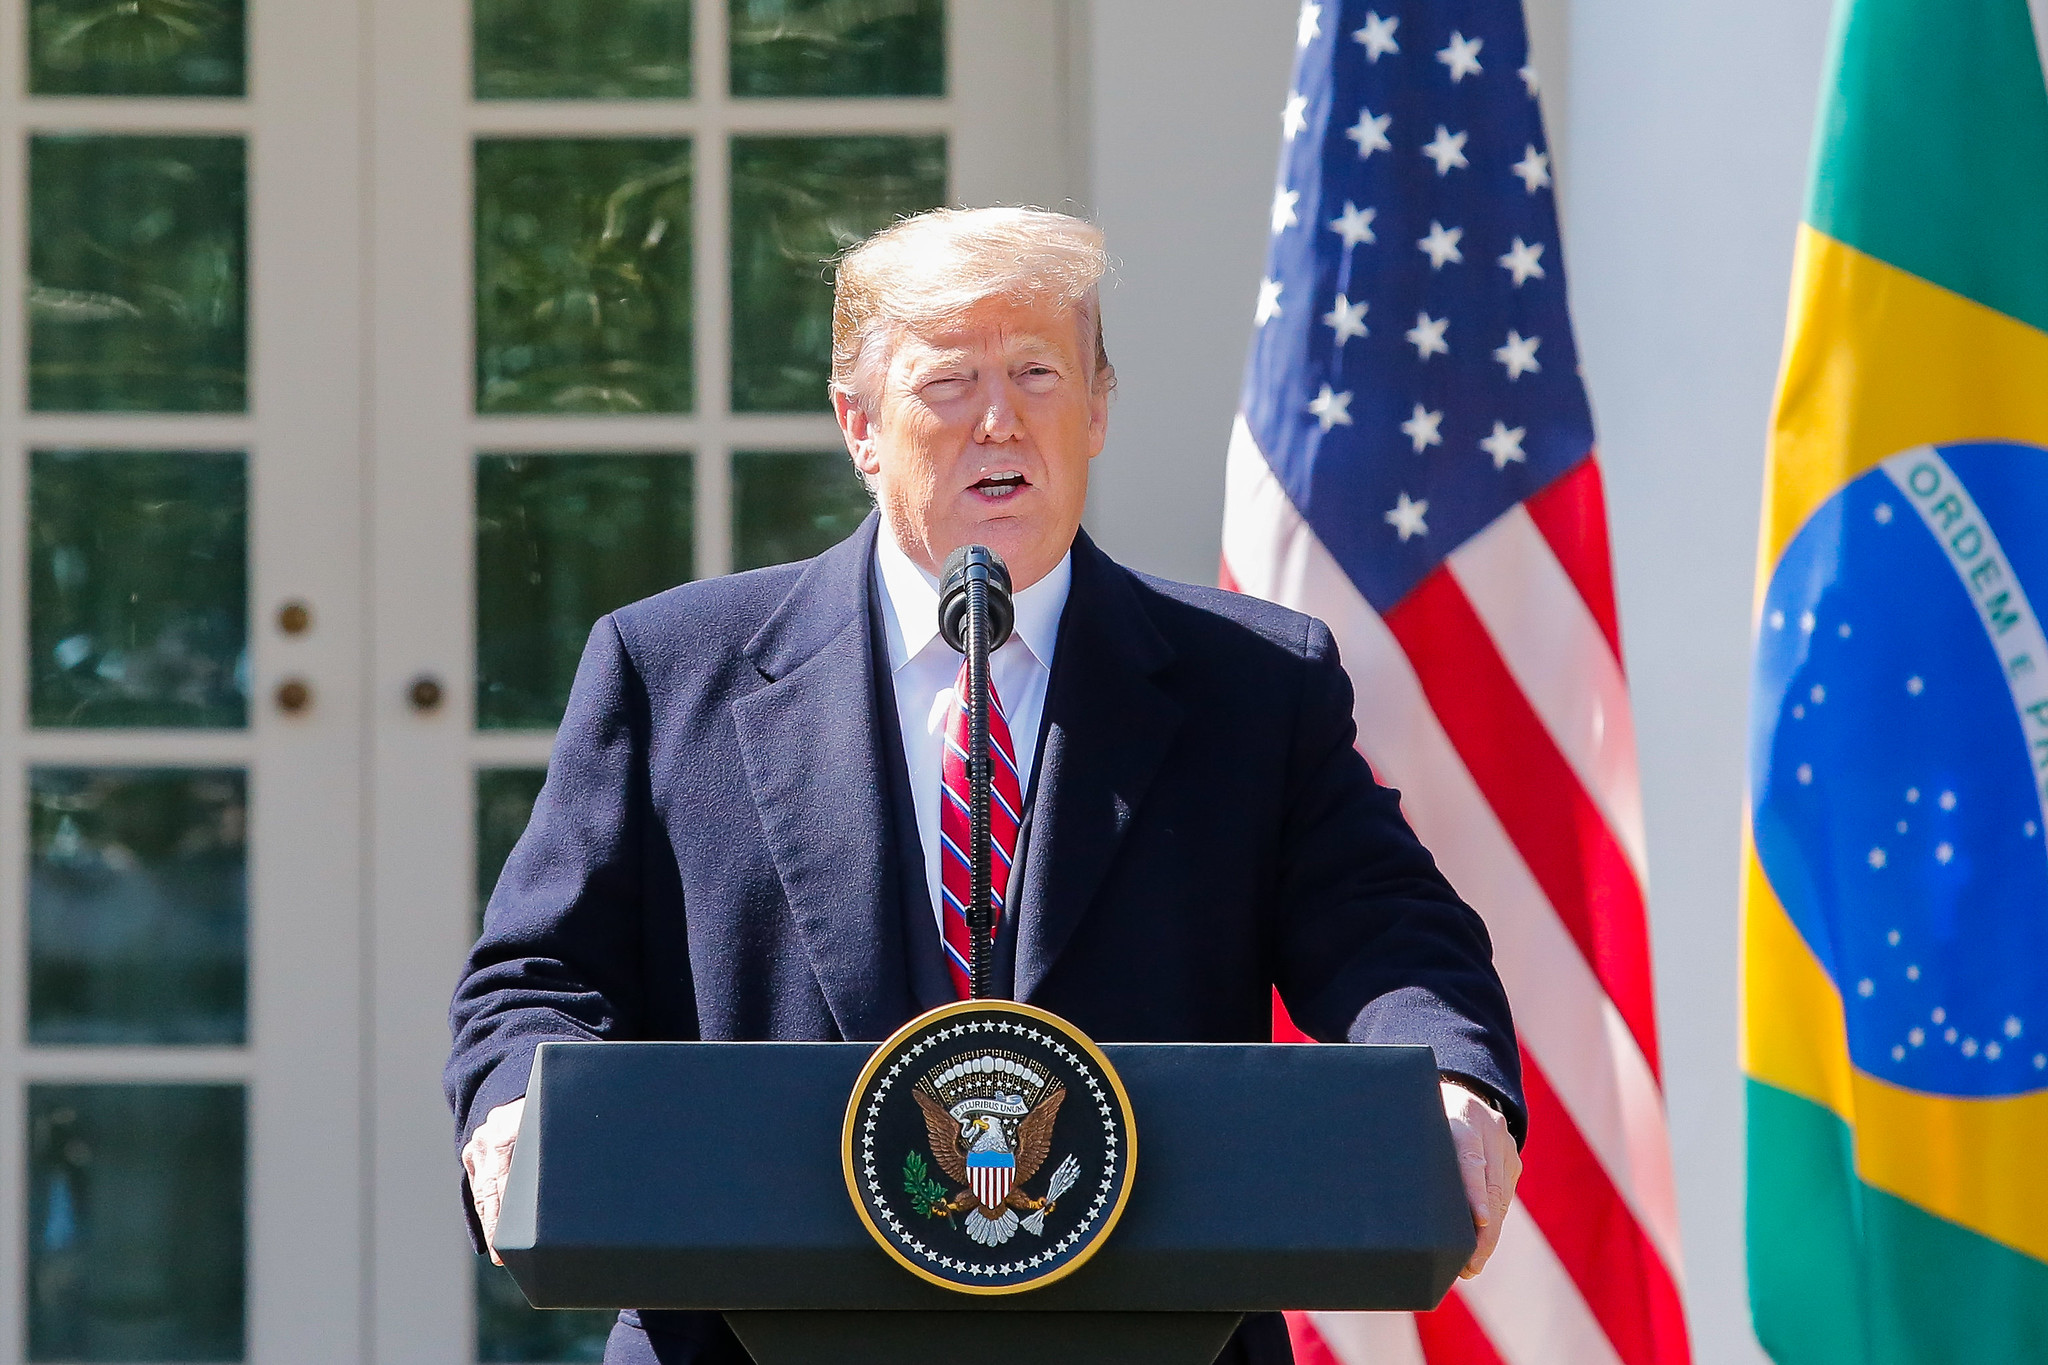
1412, 374
1896, 813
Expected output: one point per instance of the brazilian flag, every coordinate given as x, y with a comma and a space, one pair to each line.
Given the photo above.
1895, 898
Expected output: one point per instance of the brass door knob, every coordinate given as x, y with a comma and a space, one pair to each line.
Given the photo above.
424, 693
294, 695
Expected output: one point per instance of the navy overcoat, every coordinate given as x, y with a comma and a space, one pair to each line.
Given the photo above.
725, 849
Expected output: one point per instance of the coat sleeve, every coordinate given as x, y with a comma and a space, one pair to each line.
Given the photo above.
1371, 944
559, 957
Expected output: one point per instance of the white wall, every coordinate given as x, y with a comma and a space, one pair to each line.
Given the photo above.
1684, 134
1690, 128
1186, 100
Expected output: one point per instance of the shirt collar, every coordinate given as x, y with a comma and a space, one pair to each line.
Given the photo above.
913, 599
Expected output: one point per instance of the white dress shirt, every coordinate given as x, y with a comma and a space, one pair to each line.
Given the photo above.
923, 667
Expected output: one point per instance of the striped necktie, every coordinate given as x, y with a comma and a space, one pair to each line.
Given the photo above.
1005, 810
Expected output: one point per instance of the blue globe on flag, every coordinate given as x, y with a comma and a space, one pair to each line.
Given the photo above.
1896, 768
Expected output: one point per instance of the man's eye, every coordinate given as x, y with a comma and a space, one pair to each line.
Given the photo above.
943, 390
1039, 377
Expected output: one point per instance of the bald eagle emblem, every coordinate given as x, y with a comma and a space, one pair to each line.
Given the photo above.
989, 1119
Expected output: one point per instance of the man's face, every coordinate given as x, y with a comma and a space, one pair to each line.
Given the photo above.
979, 432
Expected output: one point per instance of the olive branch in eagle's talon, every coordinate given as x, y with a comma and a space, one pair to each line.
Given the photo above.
927, 1195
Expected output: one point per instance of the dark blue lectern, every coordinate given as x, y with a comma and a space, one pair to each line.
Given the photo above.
709, 1175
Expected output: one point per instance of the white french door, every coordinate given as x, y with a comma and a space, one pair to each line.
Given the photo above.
182, 739
529, 473
354, 357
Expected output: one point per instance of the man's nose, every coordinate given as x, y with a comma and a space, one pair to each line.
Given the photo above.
999, 416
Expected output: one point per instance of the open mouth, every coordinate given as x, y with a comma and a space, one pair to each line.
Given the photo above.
1000, 485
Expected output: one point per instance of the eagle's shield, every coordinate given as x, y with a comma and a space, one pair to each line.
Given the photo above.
990, 1174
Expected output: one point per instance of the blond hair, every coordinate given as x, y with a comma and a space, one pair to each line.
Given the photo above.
934, 266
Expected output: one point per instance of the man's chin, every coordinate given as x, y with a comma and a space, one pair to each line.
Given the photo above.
1028, 546
998, 528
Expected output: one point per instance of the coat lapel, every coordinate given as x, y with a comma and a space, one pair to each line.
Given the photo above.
811, 747
1108, 727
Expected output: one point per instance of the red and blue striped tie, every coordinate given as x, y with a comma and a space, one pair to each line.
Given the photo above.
1005, 812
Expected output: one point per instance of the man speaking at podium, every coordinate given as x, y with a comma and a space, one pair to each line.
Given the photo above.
747, 830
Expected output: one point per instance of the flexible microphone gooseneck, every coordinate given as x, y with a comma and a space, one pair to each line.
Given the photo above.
975, 616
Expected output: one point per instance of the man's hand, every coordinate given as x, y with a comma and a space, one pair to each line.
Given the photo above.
487, 1157
1487, 1159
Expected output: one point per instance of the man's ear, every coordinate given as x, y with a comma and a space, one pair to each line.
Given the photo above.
859, 431
1098, 419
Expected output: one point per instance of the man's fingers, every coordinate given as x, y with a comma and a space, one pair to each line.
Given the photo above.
1498, 1191
1510, 1169
1489, 1238
486, 1191
1479, 1193
1472, 1168
487, 1160
487, 1214
1489, 1165
1495, 1192
490, 1203
1470, 1147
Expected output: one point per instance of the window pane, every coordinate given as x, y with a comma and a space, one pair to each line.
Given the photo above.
561, 540
140, 47
508, 1330
838, 47
582, 49
583, 275
138, 588
135, 1222
797, 202
137, 259
792, 504
137, 906
504, 802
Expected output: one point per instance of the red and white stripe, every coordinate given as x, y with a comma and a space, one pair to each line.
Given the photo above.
991, 1184
1493, 698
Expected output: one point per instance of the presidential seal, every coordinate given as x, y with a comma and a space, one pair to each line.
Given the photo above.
989, 1147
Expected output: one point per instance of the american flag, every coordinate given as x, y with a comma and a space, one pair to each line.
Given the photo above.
1413, 462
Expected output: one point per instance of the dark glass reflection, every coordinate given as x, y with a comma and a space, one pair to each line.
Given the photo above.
838, 47
582, 49
792, 504
510, 1332
136, 47
583, 275
136, 1222
561, 539
138, 588
137, 262
798, 202
504, 803
137, 905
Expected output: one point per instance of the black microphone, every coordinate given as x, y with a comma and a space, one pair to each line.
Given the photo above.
975, 616
975, 562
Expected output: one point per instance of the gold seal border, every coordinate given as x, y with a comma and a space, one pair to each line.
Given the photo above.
1074, 1035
